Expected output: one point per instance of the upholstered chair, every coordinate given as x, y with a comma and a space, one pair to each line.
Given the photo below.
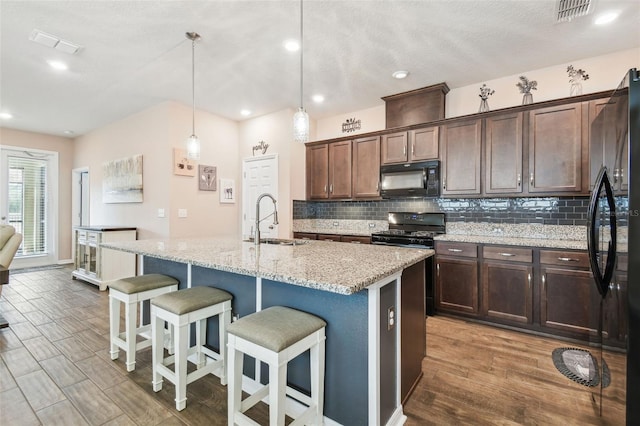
9, 242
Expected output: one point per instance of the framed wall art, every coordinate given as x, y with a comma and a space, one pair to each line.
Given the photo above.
227, 191
182, 165
207, 178
122, 180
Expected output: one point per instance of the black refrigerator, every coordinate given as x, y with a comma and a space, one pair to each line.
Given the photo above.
613, 233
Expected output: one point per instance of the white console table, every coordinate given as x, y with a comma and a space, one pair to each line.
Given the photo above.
99, 265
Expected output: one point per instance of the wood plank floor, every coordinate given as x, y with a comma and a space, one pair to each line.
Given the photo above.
55, 369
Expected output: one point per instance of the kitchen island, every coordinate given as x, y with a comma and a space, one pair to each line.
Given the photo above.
372, 298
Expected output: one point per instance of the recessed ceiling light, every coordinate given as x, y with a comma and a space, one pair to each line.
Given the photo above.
6, 115
318, 98
69, 132
292, 45
606, 18
400, 74
245, 112
58, 65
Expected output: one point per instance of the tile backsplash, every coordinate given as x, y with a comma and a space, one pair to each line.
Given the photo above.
547, 210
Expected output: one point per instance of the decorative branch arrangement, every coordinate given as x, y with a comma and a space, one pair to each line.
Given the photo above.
576, 75
526, 86
485, 92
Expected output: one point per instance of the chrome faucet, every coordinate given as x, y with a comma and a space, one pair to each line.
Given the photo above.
256, 237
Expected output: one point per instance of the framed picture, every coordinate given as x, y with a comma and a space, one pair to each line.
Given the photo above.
227, 191
206, 178
122, 180
182, 165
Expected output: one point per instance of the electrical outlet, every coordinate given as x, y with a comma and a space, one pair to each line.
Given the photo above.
336, 223
160, 212
391, 317
182, 212
372, 225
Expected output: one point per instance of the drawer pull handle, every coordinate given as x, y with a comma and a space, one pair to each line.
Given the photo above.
529, 280
455, 250
438, 269
568, 259
355, 242
507, 254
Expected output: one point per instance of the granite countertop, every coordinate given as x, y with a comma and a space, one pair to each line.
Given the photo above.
330, 266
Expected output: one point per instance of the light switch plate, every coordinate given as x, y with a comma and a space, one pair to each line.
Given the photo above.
160, 212
182, 212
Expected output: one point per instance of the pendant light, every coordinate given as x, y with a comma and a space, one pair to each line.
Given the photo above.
301, 118
193, 143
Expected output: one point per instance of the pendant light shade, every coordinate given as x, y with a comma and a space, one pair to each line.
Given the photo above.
193, 143
301, 126
301, 118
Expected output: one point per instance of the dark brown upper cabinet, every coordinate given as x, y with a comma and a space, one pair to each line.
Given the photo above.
329, 170
366, 167
461, 144
413, 145
557, 142
503, 154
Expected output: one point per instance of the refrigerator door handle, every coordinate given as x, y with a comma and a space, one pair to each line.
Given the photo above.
602, 279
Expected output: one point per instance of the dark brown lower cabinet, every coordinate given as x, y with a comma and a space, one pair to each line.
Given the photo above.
569, 301
356, 239
413, 328
507, 292
457, 285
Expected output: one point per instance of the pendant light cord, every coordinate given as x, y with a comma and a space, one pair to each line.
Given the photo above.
301, 55
193, 86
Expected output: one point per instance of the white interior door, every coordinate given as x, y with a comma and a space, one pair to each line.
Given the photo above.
28, 202
259, 176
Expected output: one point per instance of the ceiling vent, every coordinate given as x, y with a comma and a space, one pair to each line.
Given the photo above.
567, 10
57, 43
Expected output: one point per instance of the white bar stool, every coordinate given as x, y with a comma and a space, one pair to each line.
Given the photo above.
130, 291
276, 335
180, 309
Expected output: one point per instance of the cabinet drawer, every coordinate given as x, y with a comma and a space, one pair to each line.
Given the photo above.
510, 253
93, 237
82, 235
457, 249
623, 263
305, 236
565, 258
329, 237
355, 239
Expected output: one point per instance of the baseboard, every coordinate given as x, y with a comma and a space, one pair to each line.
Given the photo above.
397, 418
65, 261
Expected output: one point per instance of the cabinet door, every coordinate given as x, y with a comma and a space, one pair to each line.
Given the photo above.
503, 144
366, 167
424, 144
355, 239
569, 301
461, 147
305, 236
457, 285
329, 237
507, 292
394, 148
555, 149
340, 170
318, 171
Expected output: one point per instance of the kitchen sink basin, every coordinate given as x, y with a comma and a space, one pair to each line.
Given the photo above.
278, 241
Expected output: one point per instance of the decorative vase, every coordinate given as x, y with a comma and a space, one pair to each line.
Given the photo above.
527, 98
484, 106
576, 89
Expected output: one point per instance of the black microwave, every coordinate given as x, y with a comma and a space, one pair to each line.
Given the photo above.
410, 180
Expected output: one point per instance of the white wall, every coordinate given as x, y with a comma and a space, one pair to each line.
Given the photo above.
605, 73
154, 133
276, 129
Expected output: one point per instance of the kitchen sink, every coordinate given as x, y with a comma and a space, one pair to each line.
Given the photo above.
278, 241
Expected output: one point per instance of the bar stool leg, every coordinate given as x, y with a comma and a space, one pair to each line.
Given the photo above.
130, 332
235, 364
277, 392
223, 319
201, 333
114, 325
182, 341
317, 379
157, 333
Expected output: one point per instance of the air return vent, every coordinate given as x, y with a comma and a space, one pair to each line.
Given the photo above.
567, 10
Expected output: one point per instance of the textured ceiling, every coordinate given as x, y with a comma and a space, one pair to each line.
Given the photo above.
134, 53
